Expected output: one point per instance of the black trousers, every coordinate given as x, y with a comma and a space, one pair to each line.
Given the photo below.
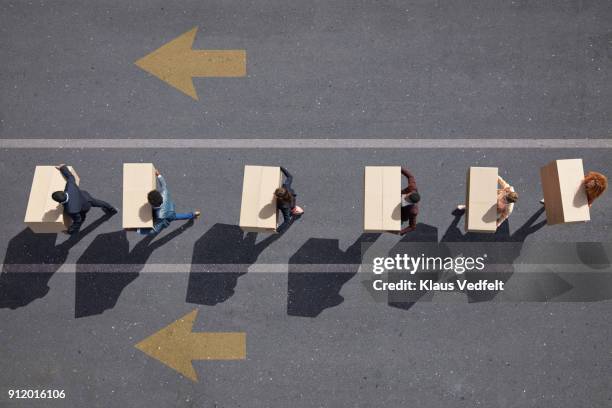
99, 203
96, 203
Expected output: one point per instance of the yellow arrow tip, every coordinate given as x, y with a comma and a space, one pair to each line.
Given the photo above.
171, 345
167, 63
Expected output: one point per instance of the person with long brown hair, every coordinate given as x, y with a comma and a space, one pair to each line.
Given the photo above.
286, 203
595, 184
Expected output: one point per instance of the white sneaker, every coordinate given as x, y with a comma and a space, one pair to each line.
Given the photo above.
461, 207
542, 201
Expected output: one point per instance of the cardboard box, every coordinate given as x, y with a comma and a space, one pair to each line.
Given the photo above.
564, 191
258, 211
138, 180
382, 206
43, 214
481, 200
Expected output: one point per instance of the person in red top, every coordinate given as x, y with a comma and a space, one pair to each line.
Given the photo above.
410, 211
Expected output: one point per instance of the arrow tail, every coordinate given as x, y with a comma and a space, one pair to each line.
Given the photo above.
218, 63
218, 346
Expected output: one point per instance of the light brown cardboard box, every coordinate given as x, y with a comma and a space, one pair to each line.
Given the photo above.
382, 206
138, 180
481, 201
43, 214
258, 208
564, 192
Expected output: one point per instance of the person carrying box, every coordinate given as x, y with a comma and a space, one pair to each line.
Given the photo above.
164, 209
285, 202
506, 197
595, 184
411, 197
77, 202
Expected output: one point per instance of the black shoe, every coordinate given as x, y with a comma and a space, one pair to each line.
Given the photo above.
110, 211
458, 212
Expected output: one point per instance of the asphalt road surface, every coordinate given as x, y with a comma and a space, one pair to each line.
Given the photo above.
366, 69
71, 312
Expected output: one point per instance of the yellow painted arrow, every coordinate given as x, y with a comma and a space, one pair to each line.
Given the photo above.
176, 63
177, 346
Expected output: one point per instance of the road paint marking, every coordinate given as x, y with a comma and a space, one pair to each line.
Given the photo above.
177, 63
176, 345
265, 268
458, 144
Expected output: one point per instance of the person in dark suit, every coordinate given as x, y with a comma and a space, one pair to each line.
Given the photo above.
77, 202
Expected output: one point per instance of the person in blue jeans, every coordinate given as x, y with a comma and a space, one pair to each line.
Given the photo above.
286, 203
164, 209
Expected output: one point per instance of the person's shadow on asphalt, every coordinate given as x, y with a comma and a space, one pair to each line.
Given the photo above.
593, 282
220, 257
31, 260
311, 292
108, 266
501, 248
423, 240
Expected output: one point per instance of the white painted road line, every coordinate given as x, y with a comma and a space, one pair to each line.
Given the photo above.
305, 143
152, 268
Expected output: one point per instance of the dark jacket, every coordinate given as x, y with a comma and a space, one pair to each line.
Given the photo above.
411, 211
165, 214
79, 201
286, 208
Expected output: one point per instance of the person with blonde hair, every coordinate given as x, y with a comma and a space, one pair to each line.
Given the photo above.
506, 197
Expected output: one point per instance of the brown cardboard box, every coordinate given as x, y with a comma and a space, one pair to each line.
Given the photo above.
43, 214
564, 192
382, 206
138, 180
481, 201
258, 209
